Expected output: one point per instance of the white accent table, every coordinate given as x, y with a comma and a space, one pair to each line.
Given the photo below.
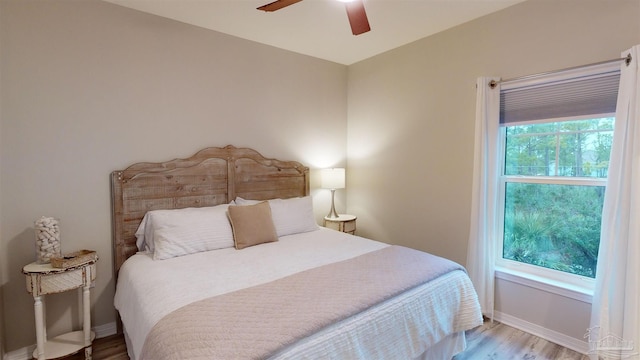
344, 222
43, 279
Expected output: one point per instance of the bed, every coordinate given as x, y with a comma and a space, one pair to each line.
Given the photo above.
218, 256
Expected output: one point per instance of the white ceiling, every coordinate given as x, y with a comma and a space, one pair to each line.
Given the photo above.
320, 28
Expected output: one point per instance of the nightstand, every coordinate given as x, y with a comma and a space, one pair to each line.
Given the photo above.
345, 223
43, 279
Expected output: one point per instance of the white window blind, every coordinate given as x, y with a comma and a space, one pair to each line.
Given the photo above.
570, 97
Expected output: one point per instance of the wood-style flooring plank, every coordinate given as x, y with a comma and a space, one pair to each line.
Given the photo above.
108, 348
496, 341
491, 341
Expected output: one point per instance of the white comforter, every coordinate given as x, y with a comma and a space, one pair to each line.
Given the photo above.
147, 290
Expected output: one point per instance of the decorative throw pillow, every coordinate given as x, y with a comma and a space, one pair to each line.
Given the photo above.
252, 225
290, 216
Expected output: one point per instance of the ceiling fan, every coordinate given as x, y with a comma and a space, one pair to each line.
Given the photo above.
355, 11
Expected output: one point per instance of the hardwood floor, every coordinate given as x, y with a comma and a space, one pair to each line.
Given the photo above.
490, 341
501, 342
107, 348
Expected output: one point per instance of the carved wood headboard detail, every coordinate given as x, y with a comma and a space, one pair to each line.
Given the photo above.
211, 177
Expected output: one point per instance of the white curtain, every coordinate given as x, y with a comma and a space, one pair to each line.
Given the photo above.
615, 310
482, 234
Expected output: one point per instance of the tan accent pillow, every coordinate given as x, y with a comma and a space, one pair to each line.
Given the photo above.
252, 225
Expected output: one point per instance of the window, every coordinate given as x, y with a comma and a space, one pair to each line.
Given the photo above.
555, 156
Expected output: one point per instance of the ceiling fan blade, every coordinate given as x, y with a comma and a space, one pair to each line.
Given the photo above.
277, 5
357, 17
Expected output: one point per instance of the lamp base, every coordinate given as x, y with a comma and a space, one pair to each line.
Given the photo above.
333, 214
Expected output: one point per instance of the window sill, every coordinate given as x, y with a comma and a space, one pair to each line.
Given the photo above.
537, 282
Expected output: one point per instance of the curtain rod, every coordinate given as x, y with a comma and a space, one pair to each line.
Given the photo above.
627, 60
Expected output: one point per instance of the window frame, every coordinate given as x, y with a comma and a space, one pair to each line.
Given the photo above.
575, 282
571, 285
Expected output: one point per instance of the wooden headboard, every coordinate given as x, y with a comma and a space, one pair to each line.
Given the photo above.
212, 176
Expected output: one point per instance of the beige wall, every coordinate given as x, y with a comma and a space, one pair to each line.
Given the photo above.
411, 121
2, 282
89, 87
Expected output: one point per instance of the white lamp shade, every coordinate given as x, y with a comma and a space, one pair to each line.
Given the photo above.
332, 178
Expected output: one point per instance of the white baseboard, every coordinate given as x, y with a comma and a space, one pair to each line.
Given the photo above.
26, 353
105, 330
550, 335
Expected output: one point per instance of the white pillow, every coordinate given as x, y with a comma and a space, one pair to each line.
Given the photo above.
144, 234
171, 233
290, 216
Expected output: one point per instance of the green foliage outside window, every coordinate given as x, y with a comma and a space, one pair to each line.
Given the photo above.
552, 225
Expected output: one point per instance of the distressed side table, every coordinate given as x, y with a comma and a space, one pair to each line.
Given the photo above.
344, 222
43, 279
